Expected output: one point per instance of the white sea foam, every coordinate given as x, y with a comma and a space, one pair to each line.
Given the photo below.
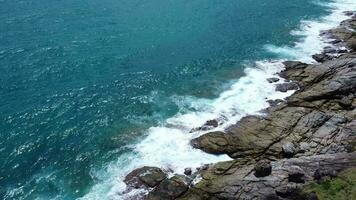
311, 42
168, 146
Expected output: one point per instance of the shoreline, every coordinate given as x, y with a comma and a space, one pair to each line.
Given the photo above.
245, 149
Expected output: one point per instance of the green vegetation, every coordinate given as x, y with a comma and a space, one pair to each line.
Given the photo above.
342, 187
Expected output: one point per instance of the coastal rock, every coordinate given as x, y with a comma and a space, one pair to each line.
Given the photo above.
304, 139
273, 80
210, 124
188, 171
145, 177
169, 189
284, 87
263, 168
235, 180
321, 57
275, 102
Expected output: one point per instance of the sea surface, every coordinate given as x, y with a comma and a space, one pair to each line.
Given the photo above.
90, 89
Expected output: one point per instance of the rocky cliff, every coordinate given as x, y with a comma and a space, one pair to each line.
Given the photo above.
305, 139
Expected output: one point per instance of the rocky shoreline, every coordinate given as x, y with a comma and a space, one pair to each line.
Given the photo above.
305, 139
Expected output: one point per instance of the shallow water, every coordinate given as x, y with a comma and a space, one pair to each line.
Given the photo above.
92, 89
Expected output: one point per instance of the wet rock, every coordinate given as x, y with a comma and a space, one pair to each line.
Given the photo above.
284, 87
188, 171
145, 177
274, 102
169, 189
263, 168
273, 80
349, 13
210, 124
213, 123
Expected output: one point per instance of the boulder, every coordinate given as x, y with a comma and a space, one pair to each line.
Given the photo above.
169, 189
145, 177
284, 87
263, 168
273, 80
188, 171
289, 150
321, 57
296, 175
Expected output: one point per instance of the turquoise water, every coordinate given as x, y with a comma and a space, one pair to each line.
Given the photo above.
81, 80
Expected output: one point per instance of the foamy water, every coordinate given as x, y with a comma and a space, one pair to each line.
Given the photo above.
168, 146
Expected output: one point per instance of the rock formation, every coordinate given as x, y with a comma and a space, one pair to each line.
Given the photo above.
309, 136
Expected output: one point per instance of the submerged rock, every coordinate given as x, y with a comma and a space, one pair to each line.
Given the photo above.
273, 80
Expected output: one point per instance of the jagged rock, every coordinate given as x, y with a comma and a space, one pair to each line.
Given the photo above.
275, 102
263, 168
210, 124
169, 189
213, 123
321, 57
188, 171
273, 80
145, 177
228, 180
315, 129
349, 13
284, 87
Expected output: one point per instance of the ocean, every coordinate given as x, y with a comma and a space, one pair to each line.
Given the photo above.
90, 90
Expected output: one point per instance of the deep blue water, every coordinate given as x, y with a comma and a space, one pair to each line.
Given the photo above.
80, 80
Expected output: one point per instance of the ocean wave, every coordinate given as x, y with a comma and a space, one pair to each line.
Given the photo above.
168, 146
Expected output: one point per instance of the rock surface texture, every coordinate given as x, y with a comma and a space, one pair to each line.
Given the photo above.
303, 139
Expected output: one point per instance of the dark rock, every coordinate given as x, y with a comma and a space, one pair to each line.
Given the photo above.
210, 124
321, 57
169, 189
284, 87
271, 197
319, 174
213, 123
296, 176
351, 44
289, 150
346, 101
145, 177
349, 13
188, 171
289, 65
286, 190
274, 102
263, 168
273, 80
